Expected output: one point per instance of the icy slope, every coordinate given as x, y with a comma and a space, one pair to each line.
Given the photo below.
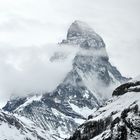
14, 127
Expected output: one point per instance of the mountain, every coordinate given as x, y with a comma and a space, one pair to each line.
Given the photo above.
119, 119
14, 127
84, 89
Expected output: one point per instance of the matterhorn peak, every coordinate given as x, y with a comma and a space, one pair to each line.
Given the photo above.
81, 34
78, 28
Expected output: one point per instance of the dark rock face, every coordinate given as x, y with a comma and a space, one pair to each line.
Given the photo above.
126, 124
91, 129
127, 87
81, 88
81, 33
123, 127
117, 129
10, 106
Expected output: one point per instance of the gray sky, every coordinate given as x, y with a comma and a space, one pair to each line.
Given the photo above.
26, 23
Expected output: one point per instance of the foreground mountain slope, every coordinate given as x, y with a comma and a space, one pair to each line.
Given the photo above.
119, 119
84, 88
14, 127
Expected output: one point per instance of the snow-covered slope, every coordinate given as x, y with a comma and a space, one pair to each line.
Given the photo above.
15, 127
119, 119
84, 88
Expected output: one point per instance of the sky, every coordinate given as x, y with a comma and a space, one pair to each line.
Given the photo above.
27, 26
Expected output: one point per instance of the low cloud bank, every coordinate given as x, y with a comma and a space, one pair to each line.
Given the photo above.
33, 69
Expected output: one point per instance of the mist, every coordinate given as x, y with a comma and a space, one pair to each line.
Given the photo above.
33, 69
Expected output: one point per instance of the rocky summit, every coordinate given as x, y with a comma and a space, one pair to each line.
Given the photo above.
85, 88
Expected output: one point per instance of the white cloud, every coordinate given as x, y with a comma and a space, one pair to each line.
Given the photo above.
27, 70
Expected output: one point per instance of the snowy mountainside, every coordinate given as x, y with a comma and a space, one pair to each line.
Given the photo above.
14, 127
118, 119
61, 111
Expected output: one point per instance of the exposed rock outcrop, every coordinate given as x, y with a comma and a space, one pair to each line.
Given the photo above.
127, 87
118, 120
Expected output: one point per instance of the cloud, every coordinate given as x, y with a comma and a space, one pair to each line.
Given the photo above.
27, 70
